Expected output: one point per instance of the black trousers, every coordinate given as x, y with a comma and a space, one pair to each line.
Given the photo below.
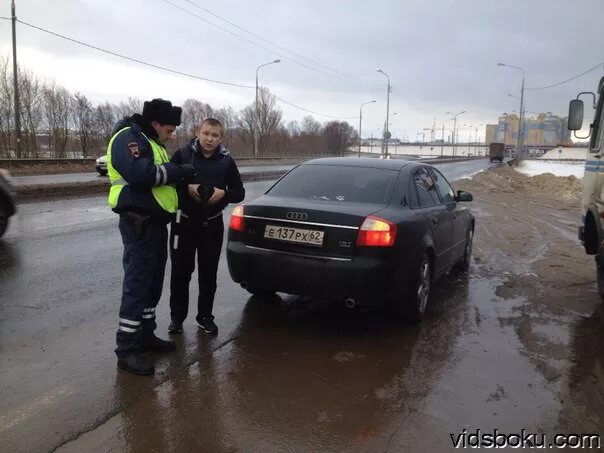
145, 256
205, 239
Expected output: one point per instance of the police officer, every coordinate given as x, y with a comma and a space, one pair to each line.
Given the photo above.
143, 194
199, 226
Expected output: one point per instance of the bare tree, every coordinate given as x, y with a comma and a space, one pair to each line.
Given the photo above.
83, 113
310, 126
339, 135
6, 107
57, 103
31, 111
293, 128
104, 121
268, 117
128, 108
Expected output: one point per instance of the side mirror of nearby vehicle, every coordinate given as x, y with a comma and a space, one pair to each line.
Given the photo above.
464, 196
575, 115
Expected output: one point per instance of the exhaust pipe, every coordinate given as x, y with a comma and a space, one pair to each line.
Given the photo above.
350, 303
243, 285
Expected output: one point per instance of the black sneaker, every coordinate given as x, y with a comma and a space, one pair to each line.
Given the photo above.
152, 343
207, 325
175, 327
136, 364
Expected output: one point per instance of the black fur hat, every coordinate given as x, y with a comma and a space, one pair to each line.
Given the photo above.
162, 111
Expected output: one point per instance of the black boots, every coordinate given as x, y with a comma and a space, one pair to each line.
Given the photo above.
136, 364
175, 327
153, 344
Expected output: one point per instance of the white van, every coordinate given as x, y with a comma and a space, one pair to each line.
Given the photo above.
592, 206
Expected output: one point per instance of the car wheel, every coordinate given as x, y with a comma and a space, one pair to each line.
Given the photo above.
464, 262
418, 292
3, 219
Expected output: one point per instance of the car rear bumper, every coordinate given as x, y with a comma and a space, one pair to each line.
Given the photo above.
368, 280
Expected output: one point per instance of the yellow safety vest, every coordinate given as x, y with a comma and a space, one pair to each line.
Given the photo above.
165, 195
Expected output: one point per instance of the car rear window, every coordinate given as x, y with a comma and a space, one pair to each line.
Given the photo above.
338, 183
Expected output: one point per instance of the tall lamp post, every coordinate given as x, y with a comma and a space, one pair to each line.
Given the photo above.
454, 135
360, 122
386, 132
257, 129
521, 114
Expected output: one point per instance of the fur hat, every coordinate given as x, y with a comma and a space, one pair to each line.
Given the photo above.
162, 111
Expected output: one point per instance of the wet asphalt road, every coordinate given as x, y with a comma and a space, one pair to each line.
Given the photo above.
282, 374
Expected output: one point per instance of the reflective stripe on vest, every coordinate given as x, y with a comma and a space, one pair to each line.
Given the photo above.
165, 195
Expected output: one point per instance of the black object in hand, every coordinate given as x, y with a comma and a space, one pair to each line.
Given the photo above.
187, 172
205, 192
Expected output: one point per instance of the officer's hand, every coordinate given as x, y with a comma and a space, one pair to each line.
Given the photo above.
217, 196
193, 192
187, 172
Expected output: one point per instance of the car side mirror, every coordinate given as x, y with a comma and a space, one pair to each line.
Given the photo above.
463, 196
575, 115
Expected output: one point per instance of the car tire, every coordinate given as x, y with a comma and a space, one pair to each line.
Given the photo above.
3, 219
418, 292
464, 262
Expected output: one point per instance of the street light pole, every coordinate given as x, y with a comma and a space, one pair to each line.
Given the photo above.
256, 128
16, 82
454, 135
360, 122
519, 143
386, 132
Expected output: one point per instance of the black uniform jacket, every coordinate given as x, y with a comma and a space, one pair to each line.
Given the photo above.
218, 170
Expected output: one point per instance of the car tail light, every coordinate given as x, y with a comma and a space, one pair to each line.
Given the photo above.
376, 232
237, 222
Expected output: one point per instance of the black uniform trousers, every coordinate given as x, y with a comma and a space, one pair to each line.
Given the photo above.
145, 256
205, 238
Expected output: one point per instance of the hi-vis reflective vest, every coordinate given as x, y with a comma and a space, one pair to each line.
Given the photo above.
165, 195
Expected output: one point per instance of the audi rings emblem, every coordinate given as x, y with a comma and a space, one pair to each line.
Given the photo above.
296, 215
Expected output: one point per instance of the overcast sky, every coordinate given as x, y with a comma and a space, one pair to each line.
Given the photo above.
441, 55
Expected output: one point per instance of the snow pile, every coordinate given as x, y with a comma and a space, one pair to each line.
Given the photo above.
567, 153
507, 180
536, 167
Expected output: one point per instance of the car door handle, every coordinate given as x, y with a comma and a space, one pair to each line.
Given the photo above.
434, 221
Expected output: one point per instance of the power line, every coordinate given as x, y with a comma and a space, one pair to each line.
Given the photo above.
135, 60
270, 42
568, 80
173, 71
226, 30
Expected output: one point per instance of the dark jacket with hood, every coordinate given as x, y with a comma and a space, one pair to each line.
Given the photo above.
218, 170
132, 157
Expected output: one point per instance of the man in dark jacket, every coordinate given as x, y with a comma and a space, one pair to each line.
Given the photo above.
143, 194
199, 225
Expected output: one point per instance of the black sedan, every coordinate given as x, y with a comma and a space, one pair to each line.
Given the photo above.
367, 232
8, 202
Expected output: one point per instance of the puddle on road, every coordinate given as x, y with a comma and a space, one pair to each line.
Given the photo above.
300, 375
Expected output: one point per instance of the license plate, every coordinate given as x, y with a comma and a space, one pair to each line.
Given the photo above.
296, 235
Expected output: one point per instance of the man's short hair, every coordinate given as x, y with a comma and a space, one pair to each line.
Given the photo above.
213, 122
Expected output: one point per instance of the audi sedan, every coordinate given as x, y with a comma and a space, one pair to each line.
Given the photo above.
365, 232
8, 200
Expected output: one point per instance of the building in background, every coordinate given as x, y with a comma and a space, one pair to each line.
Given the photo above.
545, 129
490, 134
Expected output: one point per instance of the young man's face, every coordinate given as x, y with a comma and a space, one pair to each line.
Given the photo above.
164, 132
209, 136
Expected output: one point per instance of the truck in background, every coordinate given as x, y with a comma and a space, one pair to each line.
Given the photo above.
496, 152
592, 203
